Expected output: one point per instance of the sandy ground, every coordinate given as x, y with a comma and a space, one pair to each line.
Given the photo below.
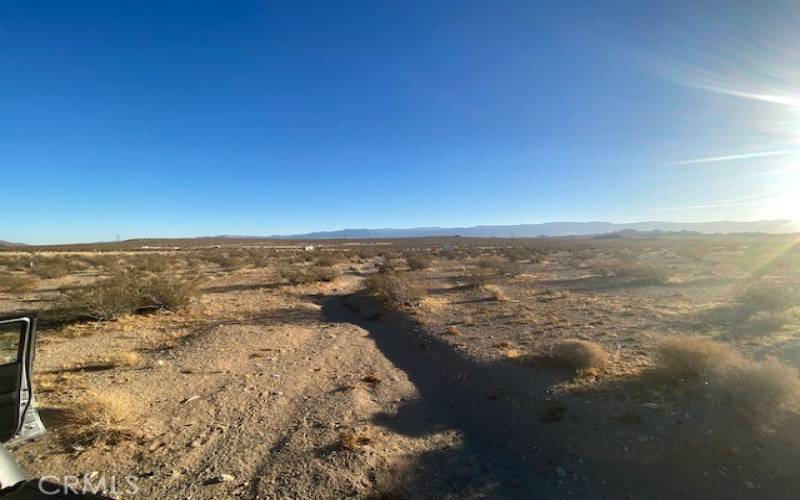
258, 391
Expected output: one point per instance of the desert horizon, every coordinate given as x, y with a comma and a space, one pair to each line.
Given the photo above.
533, 230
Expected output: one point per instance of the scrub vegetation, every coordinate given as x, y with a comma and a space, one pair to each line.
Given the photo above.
385, 361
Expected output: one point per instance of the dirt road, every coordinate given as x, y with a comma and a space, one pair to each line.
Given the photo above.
290, 398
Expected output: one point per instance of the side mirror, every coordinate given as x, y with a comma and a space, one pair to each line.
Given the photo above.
19, 419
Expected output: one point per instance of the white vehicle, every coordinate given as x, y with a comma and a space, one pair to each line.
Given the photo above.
19, 420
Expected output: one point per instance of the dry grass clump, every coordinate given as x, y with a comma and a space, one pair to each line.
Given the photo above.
17, 284
353, 440
756, 391
579, 355
495, 293
434, 304
100, 418
393, 290
689, 356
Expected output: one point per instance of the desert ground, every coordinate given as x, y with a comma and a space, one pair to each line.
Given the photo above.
624, 366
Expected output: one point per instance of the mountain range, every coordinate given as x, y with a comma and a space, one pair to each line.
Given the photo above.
557, 229
547, 229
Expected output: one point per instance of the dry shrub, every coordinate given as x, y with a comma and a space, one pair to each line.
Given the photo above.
516, 254
154, 263
579, 355
326, 274
17, 284
756, 391
225, 260
419, 261
330, 259
285, 270
14, 262
165, 291
495, 293
50, 268
388, 266
689, 356
258, 259
475, 278
392, 290
106, 300
500, 265
101, 418
296, 274
109, 262
125, 292
768, 297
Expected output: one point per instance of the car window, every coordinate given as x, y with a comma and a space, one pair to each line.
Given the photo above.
9, 341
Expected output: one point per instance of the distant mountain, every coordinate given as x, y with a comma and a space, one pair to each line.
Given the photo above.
559, 229
4, 243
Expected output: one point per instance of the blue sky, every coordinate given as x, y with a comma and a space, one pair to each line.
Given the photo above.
158, 119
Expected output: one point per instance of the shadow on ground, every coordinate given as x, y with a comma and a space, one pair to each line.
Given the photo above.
501, 455
736, 320
601, 443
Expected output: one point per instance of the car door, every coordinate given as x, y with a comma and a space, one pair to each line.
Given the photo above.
18, 416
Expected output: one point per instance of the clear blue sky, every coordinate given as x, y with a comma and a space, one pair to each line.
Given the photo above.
164, 118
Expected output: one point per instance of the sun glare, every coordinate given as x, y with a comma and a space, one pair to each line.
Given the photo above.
786, 203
